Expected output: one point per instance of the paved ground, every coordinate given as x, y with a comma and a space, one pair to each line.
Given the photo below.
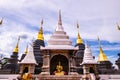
109, 77
8, 77
103, 77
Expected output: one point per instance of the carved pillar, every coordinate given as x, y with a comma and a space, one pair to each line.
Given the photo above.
46, 64
85, 72
21, 69
31, 69
72, 66
87, 75
96, 73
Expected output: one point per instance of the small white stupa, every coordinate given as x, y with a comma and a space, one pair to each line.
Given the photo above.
89, 64
88, 57
28, 62
29, 58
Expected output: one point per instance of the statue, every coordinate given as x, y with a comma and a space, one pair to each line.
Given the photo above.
27, 76
59, 70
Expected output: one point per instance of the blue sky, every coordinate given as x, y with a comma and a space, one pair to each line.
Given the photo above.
95, 18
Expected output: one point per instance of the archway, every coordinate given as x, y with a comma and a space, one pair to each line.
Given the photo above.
55, 60
25, 70
92, 70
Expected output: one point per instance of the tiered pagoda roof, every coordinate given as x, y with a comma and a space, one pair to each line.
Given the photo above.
59, 39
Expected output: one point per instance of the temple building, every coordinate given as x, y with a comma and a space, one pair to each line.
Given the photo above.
89, 65
12, 67
118, 63
80, 52
36, 48
104, 65
59, 59
59, 49
27, 65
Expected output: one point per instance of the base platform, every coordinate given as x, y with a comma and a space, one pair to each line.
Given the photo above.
64, 77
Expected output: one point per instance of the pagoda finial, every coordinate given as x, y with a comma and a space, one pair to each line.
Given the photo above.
102, 56
26, 51
40, 33
16, 48
59, 27
79, 40
59, 19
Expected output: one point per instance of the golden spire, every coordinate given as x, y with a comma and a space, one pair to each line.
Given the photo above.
79, 40
101, 56
40, 33
118, 27
26, 51
1, 21
16, 48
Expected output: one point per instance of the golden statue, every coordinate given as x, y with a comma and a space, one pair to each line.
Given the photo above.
59, 70
27, 76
